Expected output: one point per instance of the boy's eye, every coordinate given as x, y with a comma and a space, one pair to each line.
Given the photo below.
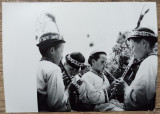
102, 61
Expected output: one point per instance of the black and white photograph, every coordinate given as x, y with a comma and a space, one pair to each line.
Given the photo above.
79, 56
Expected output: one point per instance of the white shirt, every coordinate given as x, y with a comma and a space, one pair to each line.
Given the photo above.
50, 82
94, 89
143, 88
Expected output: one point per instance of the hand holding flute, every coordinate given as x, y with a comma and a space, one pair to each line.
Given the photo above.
118, 85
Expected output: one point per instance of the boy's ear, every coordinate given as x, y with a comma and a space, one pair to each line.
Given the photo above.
92, 61
143, 42
52, 50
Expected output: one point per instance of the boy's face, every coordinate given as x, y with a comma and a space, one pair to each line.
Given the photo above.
100, 64
138, 49
70, 70
57, 54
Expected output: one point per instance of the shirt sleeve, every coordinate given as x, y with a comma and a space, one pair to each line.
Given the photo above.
95, 96
142, 89
56, 91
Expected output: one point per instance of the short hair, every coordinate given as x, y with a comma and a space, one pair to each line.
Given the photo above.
95, 56
43, 49
151, 41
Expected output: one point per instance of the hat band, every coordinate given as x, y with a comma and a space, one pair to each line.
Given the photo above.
141, 33
48, 37
74, 61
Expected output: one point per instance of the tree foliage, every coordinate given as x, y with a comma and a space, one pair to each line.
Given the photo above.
120, 56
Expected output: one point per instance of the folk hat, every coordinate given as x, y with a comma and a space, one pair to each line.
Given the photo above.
48, 38
75, 60
141, 32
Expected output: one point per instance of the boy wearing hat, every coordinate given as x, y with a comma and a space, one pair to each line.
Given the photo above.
71, 74
73, 64
50, 86
140, 94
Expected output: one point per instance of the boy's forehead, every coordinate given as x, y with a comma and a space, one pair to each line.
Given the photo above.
102, 56
132, 42
71, 67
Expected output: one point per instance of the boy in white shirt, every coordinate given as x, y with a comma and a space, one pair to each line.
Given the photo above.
50, 86
140, 95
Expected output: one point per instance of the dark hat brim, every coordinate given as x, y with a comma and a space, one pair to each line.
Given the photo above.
144, 37
49, 42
